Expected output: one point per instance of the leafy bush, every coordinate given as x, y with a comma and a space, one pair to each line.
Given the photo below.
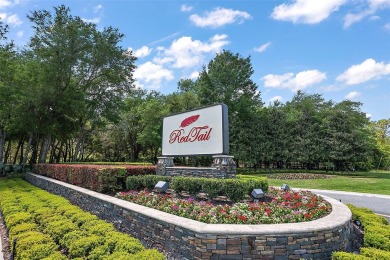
100, 178
41, 232
376, 236
235, 189
144, 181
110, 163
347, 256
375, 253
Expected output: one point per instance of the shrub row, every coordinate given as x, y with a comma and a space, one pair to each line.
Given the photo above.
94, 177
110, 163
376, 236
235, 189
48, 227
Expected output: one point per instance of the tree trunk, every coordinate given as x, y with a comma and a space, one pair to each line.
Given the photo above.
7, 152
44, 149
80, 143
2, 144
28, 149
20, 144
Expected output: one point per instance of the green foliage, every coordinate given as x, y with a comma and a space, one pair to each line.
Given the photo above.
144, 181
148, 254
376, 236
99, 178
42, 232
347, 256
81, 247
37, 251
374, 253
235, 189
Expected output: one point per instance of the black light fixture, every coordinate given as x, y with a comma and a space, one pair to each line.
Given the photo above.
285, 187
161, 186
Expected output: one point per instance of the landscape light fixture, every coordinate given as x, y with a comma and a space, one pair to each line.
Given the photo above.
257, 194
161, 186
285, 187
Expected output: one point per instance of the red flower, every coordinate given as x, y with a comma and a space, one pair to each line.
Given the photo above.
243, 218
306, 215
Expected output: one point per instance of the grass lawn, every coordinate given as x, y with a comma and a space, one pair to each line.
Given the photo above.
367, 182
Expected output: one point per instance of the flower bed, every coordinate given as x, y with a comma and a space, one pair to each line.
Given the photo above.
280, 207
47, 226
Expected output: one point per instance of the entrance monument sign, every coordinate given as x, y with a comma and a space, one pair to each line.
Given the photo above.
204, 131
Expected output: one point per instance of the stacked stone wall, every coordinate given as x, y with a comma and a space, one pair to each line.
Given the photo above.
189, 239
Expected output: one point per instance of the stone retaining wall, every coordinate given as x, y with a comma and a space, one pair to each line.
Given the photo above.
189, 239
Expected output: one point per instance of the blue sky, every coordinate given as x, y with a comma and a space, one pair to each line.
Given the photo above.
337, 48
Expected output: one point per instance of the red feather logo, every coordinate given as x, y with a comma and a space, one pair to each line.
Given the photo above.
189, 120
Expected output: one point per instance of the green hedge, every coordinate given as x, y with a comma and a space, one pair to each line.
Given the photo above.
109, 163
376, 236
100, 178
43, 223
235, 189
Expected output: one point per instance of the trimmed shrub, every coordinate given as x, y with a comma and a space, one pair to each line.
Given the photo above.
376, 236
141, 182
81, 247
57, 225
100, 178
235, 189
374, 253
347, 256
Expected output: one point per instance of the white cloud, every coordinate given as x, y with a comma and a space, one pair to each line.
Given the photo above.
186, 8
306, 11
141, 52
372, 8
368, 115
97, 8
219, 17
263, 47
367, 70
387, 27
95, 20
5, 3
150, 75
20, 34
299, 81
352, 95
186, 53
12, 20
194, 75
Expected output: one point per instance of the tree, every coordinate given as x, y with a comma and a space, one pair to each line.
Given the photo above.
85, 73
349, 140
7, 55
227, 79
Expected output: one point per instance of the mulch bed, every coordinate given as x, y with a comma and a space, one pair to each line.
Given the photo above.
4, 240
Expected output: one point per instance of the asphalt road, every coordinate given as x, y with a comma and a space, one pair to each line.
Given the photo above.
380, 204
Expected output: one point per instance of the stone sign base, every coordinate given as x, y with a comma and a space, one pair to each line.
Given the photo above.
223, 167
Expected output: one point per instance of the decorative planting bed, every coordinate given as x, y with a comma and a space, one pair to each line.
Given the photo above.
190, 239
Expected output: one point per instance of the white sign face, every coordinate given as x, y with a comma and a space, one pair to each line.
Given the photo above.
199, 132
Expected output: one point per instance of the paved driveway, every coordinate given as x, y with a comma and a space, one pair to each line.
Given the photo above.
380, 204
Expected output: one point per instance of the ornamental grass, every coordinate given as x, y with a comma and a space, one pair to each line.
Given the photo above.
279, 207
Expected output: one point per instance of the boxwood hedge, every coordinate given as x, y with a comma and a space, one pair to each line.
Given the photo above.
46, 226
376, 236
